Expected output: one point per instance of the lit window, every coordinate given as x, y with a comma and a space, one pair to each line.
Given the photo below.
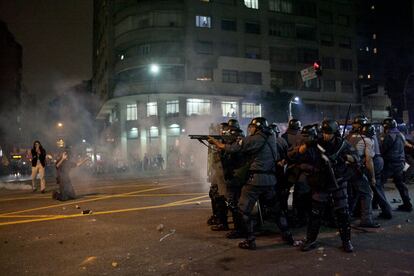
229, 109
368, 76
153, 132
203, 21
132, 114
198, 107
283, 6
173, 107
367, 48
152, 109
375, 51
372, 7
374, 36
133, 133
173, 130
251, 110
252, 4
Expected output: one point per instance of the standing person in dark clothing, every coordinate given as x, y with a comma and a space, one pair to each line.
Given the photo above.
260, 148
38, 166
392, 150
63, 166
329, 157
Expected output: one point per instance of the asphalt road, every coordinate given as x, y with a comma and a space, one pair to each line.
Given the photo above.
156, 225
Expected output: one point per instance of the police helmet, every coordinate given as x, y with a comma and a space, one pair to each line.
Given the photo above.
368, 130
389, 123
233, 123
294, 124
329, 126
309, 131
259, 122
360, 120
275, 128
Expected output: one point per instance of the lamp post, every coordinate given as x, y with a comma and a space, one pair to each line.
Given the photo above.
293, 100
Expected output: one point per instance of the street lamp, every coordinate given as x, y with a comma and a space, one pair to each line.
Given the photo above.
293, 100
154, 69
60, 124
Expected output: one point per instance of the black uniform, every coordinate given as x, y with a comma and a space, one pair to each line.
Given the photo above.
329, 180
261, 184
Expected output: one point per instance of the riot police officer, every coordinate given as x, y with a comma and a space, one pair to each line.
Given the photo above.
235, 174
392, 150
292, 134
218, 187
363, 175
260, 147
379, 195
328, 157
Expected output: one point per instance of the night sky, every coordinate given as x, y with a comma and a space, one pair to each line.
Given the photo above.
56, 36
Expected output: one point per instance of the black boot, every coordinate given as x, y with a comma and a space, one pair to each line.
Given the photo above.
250, 242
282, 223
221, 215
314, 225
344, 230
238, 232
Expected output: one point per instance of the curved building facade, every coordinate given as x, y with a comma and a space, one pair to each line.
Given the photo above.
164, 69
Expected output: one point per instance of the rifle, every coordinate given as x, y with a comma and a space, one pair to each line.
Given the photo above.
206, 137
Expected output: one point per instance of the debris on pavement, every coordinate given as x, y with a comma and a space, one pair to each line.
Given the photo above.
399, 226
88, 260
77, 206
160, 227
86, 212
114, 264
172, 231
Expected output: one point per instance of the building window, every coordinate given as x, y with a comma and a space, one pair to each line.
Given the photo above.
252, 27
346, 65
282, 55
345, 42
306, 55
311, 85
153, 132
283, 79
329, 85
204, 47
203, 21
152, 109
229, 49
252, 4
347, 87
230, 76
229, 109
282, 6
144, 49
132, 113
306, 8
277, 28
203, 74
305, 32
132, 133
343, 20
173, 130
328, 62
325, 17
229, 25
253, 52
375, 51
198, 107
250, 77
172, 107
251, 110
327, 40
